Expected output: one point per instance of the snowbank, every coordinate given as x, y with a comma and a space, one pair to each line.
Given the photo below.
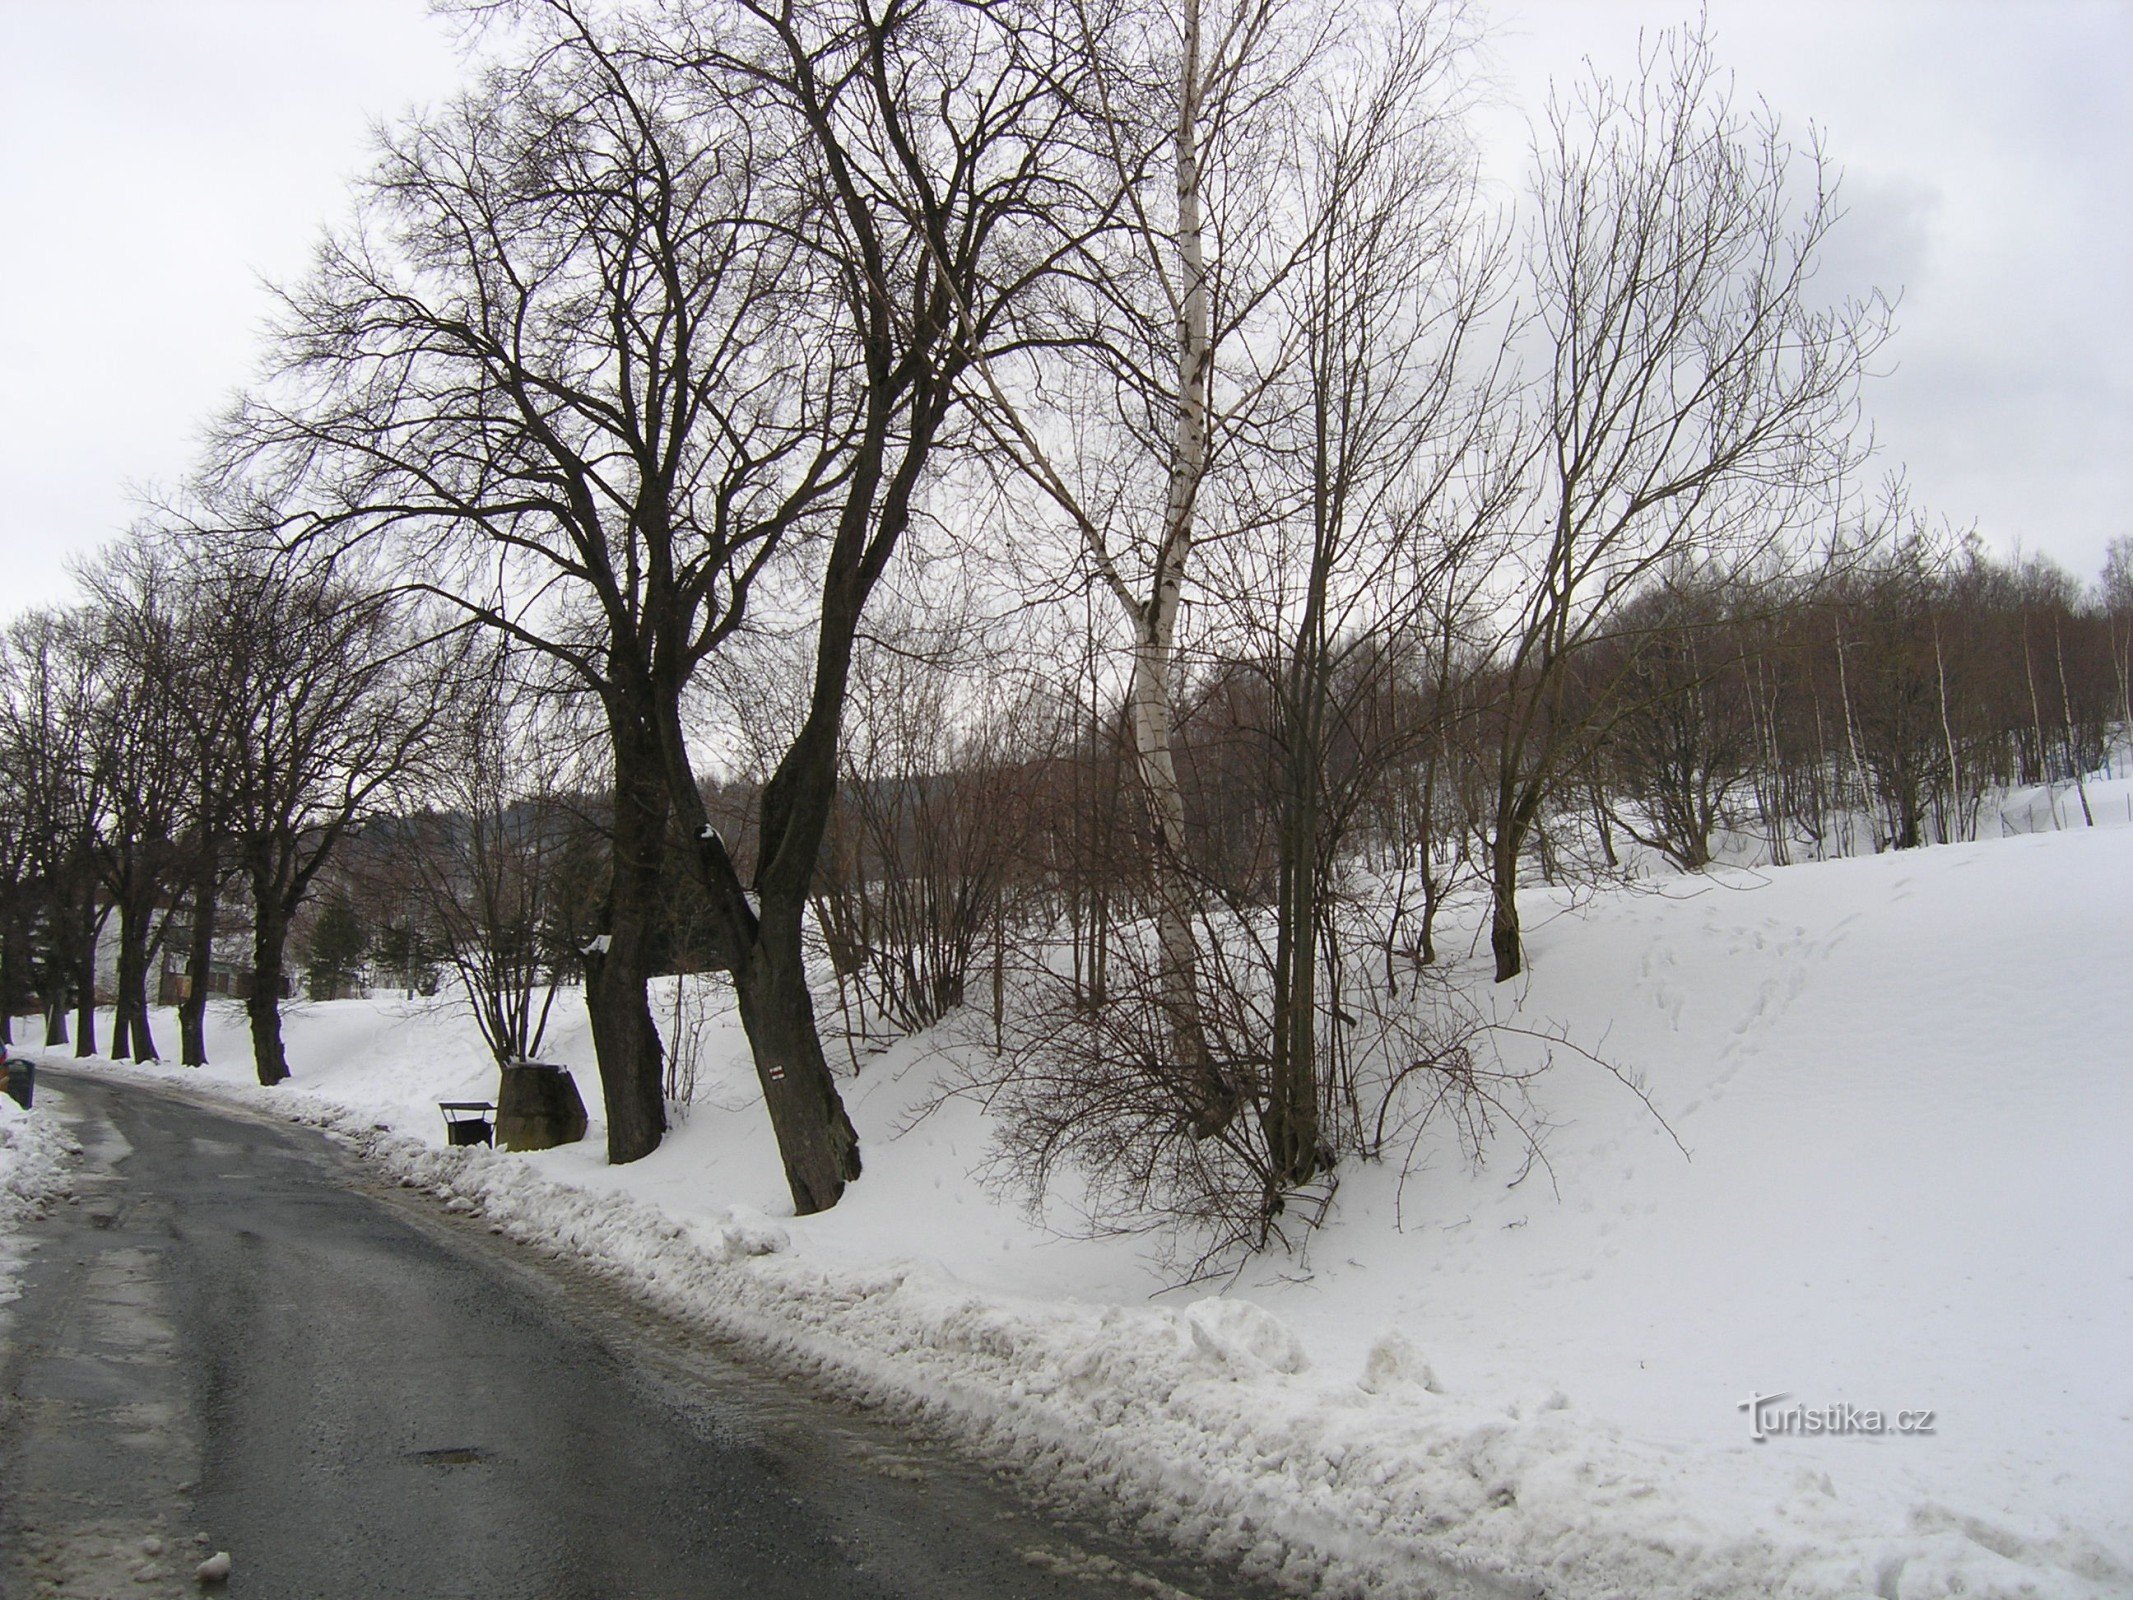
35, 1156
1903, 1086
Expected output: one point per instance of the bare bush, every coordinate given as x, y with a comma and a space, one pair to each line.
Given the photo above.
1091, 1111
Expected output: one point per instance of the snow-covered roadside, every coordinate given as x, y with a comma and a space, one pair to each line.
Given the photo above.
1903, 1083
36, 1159
1208, 1421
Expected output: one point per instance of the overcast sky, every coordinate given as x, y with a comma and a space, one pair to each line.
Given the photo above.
158, 158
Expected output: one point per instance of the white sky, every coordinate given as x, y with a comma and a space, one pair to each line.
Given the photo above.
158, 158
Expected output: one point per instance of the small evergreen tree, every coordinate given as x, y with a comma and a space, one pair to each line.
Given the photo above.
337, 947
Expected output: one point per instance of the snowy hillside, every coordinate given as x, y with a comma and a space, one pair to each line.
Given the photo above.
1905, 1089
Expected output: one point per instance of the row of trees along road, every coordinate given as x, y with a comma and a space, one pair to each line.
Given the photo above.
201, 720
1302, 506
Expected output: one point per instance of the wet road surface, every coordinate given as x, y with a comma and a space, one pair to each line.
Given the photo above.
236, 1339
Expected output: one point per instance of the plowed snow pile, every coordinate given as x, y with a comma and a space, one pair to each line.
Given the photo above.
1905, 1086
35, 1155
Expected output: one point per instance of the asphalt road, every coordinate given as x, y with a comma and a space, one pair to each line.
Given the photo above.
236, 1339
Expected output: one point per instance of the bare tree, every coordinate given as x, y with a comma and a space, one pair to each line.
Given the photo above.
1374, 496
137, 736
1354, 476
2115, 587
1171, 351
559, 367
928, 846
331, 702
1693, 397
933, 188
670, 288
49, 708
1678, 738
489, 860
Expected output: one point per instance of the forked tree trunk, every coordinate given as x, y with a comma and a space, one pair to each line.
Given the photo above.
817, 1143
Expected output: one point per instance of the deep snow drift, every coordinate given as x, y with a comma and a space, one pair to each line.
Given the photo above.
1904, 1088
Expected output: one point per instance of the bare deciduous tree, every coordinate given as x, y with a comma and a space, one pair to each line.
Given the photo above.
1694, 395
490, 860
331, 702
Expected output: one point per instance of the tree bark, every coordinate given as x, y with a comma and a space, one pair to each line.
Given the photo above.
11, 974
199, 968
85, 984
1514, 820
131, 1034
625, 1041
1215, 1100
1290, 1122
270, 937
817, 1143
122, 1022
816, 1139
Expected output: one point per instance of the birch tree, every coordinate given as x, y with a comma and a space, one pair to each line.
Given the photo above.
1170, 354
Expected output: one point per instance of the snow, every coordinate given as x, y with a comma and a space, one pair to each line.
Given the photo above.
1902, 1083
36, 1153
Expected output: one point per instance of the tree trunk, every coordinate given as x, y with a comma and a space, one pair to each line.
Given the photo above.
2066, 712
762, 944
122, 1025
1504, 942
625, 1040
133, 1036
1214, 1102
816, 1139
85, 982
270, 937
1290, 1122
10, 969
1214, 1099
1514, 820
199, 969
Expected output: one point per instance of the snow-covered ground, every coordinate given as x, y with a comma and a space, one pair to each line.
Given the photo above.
36, 1153
1905, 1085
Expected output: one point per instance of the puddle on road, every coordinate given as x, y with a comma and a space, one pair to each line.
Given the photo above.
457, 1455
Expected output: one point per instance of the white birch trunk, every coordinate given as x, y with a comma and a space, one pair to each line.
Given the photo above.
1153, 709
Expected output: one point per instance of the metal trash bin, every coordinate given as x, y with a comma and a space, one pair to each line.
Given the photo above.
21, 1081
466, 1122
